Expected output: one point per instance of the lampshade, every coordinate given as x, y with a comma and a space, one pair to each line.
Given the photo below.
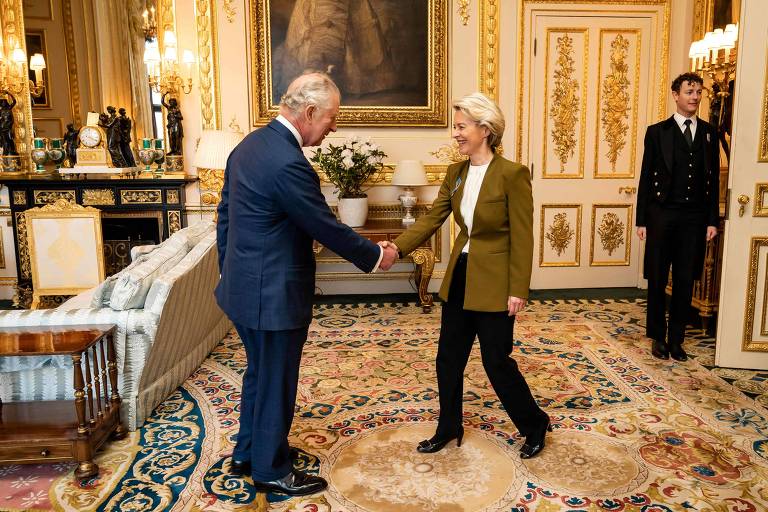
214, 148
18, 56
188, 57
409, 173
37, 61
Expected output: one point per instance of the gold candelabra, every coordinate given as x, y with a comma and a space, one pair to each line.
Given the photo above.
715, 57
164, 70
150, 23
13, 70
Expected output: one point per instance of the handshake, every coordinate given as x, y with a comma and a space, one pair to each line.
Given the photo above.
390, 255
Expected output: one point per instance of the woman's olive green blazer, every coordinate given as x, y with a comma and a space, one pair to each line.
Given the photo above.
501, 251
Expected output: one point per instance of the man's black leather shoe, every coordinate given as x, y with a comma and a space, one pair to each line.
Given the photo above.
243, 467
677, 352
294, 483
534, 442
659, 350
239, 467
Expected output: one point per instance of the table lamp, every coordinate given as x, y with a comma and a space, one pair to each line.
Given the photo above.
211, 160
409, 174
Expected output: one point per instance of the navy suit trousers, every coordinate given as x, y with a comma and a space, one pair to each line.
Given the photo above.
268, 399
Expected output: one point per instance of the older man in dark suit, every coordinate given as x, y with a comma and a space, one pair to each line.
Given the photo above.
271, 209
677, 211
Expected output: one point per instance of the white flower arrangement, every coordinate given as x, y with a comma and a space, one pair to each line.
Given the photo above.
351, 165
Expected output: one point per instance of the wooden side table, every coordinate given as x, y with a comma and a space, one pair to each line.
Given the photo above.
51, 431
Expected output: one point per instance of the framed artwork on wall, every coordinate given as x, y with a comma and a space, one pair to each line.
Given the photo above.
388, 58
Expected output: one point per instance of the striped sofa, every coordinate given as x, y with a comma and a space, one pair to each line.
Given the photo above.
167, 323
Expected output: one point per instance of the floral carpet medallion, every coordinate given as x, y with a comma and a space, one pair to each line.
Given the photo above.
631, 433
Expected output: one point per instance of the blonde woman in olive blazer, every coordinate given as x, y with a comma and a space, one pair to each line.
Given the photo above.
486, 282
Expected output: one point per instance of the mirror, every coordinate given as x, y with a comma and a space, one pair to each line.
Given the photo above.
93, 53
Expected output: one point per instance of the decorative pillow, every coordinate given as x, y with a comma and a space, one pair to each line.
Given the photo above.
103, 292
131, 287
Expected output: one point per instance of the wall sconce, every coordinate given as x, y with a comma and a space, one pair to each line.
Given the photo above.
13, 74
163, 70
409, 174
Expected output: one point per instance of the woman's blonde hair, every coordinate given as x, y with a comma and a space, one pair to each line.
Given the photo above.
485, 112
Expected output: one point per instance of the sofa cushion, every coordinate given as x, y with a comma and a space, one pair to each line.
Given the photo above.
131, 287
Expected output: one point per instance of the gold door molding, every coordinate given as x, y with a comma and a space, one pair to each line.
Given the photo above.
592, 6
567, 105
560, 235
612, 229
758, 252
617, 99
763, 145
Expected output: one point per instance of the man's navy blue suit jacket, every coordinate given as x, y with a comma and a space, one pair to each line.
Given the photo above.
270, 211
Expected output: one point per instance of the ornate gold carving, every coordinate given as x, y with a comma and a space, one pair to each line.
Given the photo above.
616, 107
449, 153
22, 296
560, 233
229, 10
425, 265
63, 205
762, 155
174, 221
153, 196
165, 10
489, 46
51, 196
20, 197
749, 344
12, 33
2, 253
208, 63
172, 196
211, 182
435, 175
611, 232
98, 196
565, 102
21, 237
432, 114
463, 11
523, 44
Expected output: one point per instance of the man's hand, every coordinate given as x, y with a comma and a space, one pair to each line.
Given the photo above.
515, 305
390, 255
641, 232
711, 232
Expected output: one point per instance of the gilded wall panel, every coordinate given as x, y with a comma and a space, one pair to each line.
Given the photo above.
560, 235
756, 338
763, 144
610, 235
565, 93
618, 96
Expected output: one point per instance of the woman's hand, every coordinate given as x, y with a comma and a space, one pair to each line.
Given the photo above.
515, 305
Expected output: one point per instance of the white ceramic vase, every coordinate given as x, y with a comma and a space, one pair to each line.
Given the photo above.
353, 211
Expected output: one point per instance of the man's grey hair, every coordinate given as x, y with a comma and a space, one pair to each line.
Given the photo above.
309, 89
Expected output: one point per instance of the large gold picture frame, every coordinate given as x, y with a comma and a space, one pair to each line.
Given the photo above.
392, 73
65, 249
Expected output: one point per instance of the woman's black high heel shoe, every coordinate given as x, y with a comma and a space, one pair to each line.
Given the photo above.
534, 442
435, 445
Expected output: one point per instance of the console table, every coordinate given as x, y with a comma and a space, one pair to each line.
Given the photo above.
382, 229
158, 201
51, 431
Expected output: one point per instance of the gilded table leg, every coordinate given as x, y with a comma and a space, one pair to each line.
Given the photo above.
120, 431
86, 468
425, 264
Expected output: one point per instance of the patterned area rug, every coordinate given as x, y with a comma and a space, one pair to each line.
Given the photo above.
631, 433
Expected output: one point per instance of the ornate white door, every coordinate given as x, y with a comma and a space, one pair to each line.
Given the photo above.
590, 90
742, 331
